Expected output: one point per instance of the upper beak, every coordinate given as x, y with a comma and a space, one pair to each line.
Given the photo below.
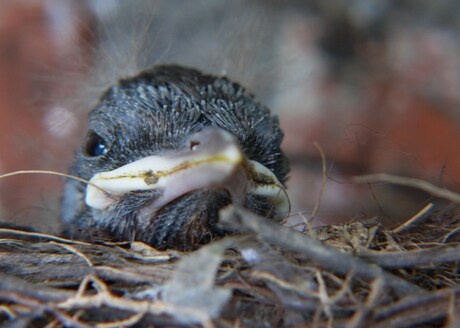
212, 158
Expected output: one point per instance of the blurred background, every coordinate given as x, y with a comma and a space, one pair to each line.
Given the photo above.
376, 84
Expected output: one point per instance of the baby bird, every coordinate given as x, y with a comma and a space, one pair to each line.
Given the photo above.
164, 151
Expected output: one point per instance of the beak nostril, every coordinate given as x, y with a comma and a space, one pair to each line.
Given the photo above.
194, 145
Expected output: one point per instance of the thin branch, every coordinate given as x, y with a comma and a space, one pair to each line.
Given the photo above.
327, 257
362, 315
136, 306
417, 309
416, 258
409, 182
45, 294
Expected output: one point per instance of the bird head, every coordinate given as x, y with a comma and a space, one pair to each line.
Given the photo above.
167, 149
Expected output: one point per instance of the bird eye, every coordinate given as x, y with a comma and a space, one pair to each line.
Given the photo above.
95, 145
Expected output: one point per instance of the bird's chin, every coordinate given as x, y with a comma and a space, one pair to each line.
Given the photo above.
184, 223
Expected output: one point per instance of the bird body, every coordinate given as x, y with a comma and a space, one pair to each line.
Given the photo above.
164, 151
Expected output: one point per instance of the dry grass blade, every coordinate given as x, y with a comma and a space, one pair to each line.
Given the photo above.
422, 213
323, 180
40, 235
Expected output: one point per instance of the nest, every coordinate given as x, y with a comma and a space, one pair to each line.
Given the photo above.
354, 275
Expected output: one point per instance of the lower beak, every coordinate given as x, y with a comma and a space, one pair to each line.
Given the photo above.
211, 158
